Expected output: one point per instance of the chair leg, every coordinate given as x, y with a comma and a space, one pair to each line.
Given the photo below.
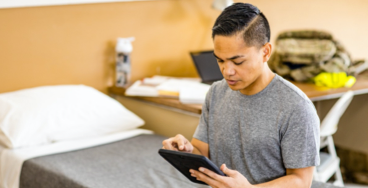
331, 148
339, 181
315, 175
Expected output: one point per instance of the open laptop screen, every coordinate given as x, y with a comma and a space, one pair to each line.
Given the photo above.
206, 65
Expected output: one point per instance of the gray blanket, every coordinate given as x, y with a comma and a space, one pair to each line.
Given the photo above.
130, 163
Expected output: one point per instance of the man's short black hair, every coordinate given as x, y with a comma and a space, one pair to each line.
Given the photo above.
245, 19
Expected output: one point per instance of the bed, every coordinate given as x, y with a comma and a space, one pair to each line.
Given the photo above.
74, 136
133, 162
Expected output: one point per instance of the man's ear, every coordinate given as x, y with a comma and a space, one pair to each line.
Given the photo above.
266, 51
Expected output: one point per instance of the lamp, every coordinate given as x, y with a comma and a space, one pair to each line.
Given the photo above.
221, 4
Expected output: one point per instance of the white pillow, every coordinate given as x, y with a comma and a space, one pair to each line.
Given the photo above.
49, 114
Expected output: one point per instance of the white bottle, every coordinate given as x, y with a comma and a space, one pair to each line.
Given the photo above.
123, 50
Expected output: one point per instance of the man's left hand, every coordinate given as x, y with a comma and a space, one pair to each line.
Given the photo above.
234, 179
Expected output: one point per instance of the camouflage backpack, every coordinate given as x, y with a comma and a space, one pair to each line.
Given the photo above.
301, 55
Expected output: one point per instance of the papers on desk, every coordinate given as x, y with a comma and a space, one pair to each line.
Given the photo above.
194, 95
139, 89
188, 90
155, 80
146, 87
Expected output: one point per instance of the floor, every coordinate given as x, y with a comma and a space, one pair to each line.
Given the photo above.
349, 185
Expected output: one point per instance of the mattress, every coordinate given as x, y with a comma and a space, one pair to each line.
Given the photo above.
133, 162
129, 163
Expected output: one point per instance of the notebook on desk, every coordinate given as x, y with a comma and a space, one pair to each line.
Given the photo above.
206, 65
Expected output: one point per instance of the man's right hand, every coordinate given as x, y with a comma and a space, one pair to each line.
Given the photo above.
178, 143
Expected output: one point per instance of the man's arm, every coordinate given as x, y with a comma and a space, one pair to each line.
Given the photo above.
200, 148
295, 178
301, 177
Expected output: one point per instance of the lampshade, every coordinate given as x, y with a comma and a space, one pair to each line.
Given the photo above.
221, 4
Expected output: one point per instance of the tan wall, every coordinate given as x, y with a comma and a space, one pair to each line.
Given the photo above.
346, 20
74, 44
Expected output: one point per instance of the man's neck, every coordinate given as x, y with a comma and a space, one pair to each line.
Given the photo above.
261, 82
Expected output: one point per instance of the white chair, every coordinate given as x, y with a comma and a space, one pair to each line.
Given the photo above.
330, 163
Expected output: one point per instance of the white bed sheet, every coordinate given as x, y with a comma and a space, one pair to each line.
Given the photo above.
11, 160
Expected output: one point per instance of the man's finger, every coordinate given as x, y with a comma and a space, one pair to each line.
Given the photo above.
177, 143
212, 174
167, 144
227, 171
181, 141
205, 178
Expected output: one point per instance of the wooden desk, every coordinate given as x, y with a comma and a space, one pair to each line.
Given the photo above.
314, 92
171, 102
169, 117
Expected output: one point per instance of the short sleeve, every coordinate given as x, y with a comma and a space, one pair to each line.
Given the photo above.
201, 132
300, 137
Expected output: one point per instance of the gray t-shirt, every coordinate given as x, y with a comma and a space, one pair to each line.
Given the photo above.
260, 135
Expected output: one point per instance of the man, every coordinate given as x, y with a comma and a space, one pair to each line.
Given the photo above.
253, 121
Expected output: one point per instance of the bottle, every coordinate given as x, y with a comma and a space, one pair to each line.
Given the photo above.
123, 68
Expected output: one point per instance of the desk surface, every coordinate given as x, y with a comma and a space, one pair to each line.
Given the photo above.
171, 102
314, 92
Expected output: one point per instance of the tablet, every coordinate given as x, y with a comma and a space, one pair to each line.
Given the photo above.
184, 161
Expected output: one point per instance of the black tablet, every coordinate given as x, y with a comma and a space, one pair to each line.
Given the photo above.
184, 161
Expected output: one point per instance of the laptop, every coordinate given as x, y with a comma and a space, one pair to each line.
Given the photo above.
207, 67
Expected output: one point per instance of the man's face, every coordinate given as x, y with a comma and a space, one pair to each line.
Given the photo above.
240, 65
